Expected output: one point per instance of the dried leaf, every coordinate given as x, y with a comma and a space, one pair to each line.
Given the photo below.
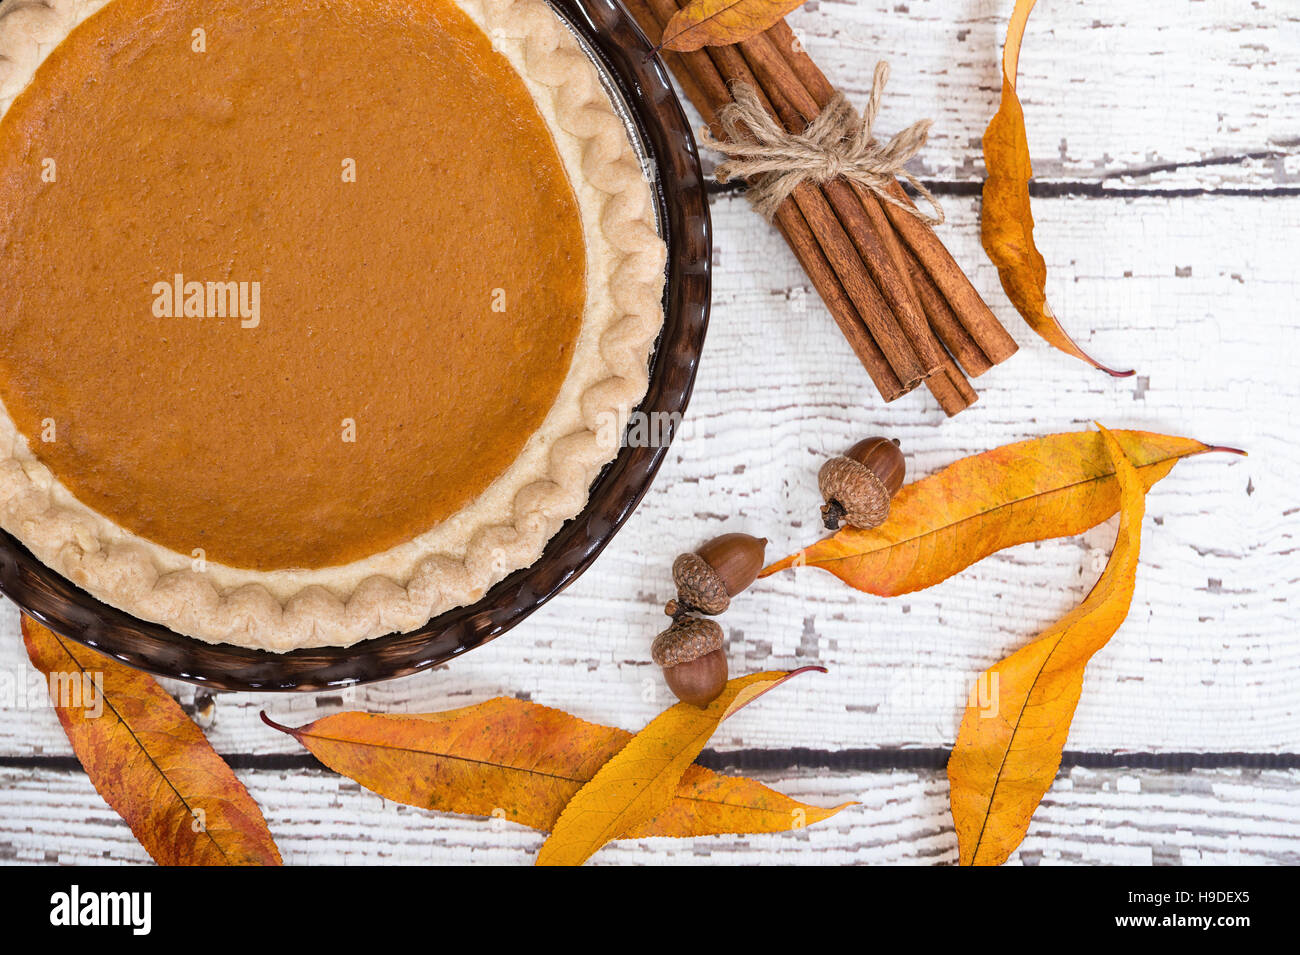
1054, 486
708, 804
523, 762
1007, 755
148, 760
720, 22
1007, 222
638, 783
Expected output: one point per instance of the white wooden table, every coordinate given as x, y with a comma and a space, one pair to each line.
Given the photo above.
1166, 138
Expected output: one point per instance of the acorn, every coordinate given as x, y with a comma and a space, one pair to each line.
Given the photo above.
708, 578
695, 666
858, 485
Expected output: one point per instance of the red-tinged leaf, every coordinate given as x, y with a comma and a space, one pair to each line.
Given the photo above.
149, 760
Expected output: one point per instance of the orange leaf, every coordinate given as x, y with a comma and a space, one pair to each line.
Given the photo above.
523, 762
1007, 755
1054, 486
638, 784
148, 759
1007, 222
720, 22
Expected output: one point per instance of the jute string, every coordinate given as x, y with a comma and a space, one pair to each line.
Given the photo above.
837, 144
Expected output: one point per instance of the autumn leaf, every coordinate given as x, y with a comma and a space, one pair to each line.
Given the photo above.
721, 22
523, 762
1054, 486
709, 804
639, 782
148, 760
1007, 754
1006, 221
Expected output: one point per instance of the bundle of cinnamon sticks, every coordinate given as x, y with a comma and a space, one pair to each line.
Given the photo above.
902, 302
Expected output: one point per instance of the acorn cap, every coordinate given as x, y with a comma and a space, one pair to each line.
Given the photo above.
687, 639
699, 586
853, 494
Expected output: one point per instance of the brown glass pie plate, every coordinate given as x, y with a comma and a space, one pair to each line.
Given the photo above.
641, 88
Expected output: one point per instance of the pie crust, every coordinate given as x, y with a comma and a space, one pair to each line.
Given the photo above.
503, 529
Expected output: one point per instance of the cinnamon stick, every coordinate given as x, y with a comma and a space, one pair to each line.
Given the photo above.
966, 303
944, 321
951, 389
839, 233
800, 238
795, 109
708, 91
835, 242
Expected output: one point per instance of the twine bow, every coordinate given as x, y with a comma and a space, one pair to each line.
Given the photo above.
838, 143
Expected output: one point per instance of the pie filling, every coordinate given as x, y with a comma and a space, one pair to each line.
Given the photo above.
283, 284
317, 317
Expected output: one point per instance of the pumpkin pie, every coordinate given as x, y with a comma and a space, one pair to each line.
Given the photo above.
317, 317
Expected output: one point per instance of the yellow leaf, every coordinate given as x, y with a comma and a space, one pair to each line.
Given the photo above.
523, 762
1007, 755
638, 784
1007, 221
721, 22
149, 760
707, 804
1053, 486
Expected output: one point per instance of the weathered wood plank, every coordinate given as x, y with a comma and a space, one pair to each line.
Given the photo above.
1128, 818
1171, 95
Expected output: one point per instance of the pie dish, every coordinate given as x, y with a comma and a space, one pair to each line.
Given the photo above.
400, 388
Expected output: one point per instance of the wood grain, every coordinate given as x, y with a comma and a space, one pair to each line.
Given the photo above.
1131, 818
